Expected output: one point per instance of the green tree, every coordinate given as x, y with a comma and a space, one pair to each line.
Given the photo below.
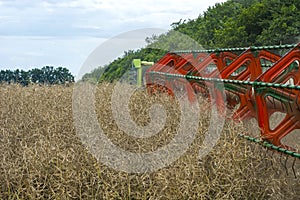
48, 75
284, 26
234, 23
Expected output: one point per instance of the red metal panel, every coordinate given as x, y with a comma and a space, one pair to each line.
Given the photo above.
287, 99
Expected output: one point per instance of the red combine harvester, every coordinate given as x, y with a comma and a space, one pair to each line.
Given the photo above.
258, 82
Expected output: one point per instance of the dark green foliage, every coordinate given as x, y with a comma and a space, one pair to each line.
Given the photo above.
48, 75
246, 23
94, 76
118, 67
234, 23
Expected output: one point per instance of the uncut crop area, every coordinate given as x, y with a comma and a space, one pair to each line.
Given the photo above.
43, 158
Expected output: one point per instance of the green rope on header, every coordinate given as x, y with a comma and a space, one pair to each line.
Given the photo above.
252, 83
271, 146
253, 48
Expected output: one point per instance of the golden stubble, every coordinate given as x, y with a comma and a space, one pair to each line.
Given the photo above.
42, 157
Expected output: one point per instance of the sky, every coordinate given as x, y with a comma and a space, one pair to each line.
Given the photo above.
36, 33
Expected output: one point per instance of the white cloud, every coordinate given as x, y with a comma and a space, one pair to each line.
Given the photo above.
52, 31
87, 5
87, 27
70, 17
25, 52
4, 17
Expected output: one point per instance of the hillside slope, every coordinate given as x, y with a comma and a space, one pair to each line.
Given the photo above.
229, 24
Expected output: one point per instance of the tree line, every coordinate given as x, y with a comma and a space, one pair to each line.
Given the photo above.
245, 23
234, 23
48, 75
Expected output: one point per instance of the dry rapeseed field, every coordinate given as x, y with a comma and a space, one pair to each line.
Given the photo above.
43, 158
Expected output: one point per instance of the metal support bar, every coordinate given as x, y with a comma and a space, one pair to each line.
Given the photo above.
137, 63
